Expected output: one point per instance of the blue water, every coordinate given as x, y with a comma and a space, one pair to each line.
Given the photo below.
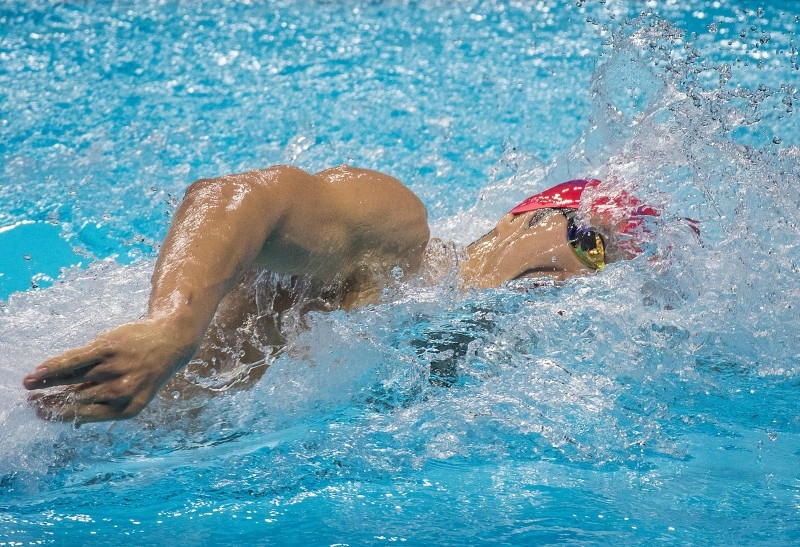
656, 402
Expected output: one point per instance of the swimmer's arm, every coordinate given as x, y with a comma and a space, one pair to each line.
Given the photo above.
218, 231
281, 218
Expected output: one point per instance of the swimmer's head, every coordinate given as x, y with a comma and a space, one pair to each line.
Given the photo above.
604, 226
569, 229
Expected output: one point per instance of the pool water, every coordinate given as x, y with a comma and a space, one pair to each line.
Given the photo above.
656, 402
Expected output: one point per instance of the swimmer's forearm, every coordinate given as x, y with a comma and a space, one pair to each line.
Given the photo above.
217, 233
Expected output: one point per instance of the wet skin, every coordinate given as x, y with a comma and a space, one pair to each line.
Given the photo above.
519, 246
344, 228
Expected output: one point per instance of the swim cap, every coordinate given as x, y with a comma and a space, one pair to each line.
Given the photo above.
566, 195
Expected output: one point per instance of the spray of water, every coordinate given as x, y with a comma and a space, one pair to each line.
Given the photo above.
620, 370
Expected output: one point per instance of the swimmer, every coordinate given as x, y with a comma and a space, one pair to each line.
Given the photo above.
343, 230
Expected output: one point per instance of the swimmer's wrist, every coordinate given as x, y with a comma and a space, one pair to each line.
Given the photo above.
184, 328
185, 312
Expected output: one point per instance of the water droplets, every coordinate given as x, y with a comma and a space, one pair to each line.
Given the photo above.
787, 102
724, 73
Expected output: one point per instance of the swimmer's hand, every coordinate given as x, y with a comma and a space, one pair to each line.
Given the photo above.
113, 377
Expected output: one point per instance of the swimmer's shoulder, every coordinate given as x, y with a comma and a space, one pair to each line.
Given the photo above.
371, 192
359, 178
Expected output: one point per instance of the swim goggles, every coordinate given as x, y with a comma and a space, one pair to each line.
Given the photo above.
587, 244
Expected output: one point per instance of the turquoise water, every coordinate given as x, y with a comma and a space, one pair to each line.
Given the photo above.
656, 402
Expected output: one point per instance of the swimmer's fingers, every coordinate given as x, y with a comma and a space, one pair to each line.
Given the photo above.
115, 376
53, 405
92, 413
57, 408
86, 403
73, 367
113, 394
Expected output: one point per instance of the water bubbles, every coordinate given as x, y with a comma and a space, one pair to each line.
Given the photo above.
297, 145
724, 73
712, 28
787, 99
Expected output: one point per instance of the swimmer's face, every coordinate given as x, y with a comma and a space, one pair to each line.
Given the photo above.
532, 244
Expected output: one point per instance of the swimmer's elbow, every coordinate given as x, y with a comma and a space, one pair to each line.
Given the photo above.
203, 189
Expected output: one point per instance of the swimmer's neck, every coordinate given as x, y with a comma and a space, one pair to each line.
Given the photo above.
463, 267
